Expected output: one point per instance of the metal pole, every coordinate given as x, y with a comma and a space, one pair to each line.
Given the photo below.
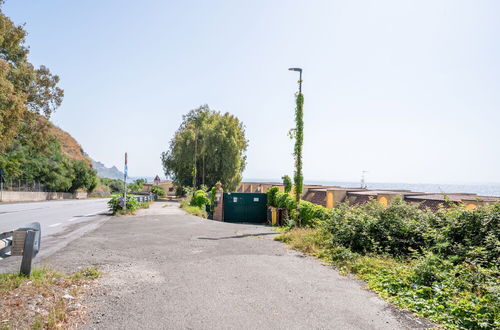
125, 184
300, 82
29, 244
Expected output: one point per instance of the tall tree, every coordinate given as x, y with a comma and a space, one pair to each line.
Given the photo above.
208, 147
24, 90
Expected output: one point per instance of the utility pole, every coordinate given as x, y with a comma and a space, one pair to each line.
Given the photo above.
125, 184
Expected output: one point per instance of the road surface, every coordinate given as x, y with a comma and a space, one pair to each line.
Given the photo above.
165, 269
61, 222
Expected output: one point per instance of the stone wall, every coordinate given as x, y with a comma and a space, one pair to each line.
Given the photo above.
30, 196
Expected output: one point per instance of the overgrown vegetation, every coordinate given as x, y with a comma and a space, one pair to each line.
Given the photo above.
48, 299
287, 183
193, 209
442, 265
208, 146
298, 133
116, 205
44, 162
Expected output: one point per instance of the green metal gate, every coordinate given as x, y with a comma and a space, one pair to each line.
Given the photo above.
245, 207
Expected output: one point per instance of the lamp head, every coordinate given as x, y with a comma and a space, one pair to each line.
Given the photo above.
295, 69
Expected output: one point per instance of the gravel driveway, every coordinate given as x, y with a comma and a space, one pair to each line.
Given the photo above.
165, 269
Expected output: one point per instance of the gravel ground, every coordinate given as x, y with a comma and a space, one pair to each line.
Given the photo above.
165, 269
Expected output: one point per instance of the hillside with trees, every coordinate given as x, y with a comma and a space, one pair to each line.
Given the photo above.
31, 148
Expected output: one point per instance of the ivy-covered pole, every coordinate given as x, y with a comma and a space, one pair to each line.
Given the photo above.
299, 140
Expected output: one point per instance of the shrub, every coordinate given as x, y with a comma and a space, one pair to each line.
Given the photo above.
309, 213
399, 229
285, 201
115, 204
271, 196
200, 199
158, 191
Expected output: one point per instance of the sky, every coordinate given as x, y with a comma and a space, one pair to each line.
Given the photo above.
406, 90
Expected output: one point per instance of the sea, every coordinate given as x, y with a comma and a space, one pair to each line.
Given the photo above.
488, 189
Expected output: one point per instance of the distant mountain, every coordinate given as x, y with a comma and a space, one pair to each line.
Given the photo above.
107, 172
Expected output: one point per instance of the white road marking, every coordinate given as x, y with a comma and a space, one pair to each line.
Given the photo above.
87, 215
56, 224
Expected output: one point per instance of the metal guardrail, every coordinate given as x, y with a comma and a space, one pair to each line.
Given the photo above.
146, 198
25, 242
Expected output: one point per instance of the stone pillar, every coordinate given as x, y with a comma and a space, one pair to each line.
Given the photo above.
219, 207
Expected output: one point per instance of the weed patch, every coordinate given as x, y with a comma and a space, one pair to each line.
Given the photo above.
46, 300
442, 265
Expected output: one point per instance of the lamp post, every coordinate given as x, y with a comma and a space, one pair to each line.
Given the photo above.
299, 70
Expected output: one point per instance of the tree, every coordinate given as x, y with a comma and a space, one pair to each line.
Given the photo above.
24, 90
208, 147
137, 185
287, 183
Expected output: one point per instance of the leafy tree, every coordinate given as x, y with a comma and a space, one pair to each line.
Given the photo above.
287, 183
208, 147
137, 185
24, 90
84, 176
115, 185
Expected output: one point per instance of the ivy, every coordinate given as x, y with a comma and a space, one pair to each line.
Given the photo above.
299, 141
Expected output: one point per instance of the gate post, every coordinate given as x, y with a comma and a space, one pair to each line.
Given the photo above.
219, 205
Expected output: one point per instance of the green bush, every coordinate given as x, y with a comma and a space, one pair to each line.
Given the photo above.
310, 213
399, 229
158, 191
115, 205
285, 201
271, 196
200, 199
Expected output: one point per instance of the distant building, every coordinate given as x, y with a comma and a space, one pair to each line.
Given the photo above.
167, 185
332, 196
157, 180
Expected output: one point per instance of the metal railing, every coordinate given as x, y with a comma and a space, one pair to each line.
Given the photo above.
146, 198
7, 184
25, 242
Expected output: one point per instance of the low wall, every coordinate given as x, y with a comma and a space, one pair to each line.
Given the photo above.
29, 196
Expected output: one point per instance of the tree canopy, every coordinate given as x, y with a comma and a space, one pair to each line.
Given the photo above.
208, 147
24, 89
28, 97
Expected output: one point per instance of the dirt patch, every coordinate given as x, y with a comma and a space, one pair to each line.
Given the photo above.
46, 300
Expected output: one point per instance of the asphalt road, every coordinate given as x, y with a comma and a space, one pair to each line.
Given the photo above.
164, 269
54, 216
61, 222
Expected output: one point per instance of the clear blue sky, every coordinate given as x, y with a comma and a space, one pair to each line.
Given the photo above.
407, 90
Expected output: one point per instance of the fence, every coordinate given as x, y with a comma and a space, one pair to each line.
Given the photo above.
9, 184
146, 198
25, 242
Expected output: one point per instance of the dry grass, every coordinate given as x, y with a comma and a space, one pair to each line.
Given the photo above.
308, 240
46, 300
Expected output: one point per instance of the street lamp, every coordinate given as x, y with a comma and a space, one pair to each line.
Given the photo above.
300, 77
